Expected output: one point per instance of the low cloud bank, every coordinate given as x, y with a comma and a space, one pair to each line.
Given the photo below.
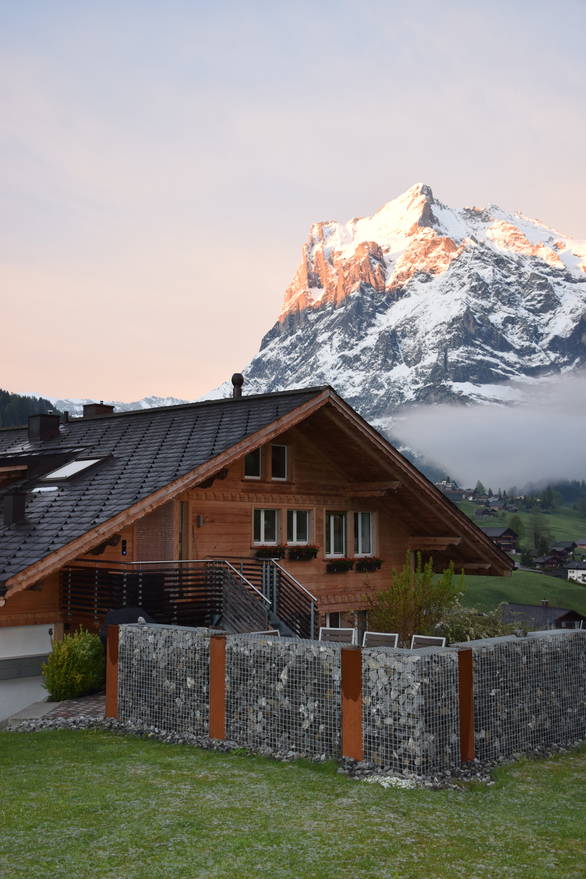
540, 440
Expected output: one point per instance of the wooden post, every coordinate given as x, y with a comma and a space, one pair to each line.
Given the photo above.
352, 740
466, 701
217, 700
112, 672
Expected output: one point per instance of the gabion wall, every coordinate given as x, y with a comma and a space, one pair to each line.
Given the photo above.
284, 695
529, 692
163, 677
410, 709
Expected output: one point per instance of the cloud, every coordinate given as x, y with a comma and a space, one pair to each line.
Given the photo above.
540, 440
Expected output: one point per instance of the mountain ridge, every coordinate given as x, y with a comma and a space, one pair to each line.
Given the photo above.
424, 303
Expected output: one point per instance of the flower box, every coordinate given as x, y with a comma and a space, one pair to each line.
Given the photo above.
302, 553
339, 566
368, 564
270, 552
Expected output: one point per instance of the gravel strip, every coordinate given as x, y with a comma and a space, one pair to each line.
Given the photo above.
475, 771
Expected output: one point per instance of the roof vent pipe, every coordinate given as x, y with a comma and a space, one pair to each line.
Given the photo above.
237, 382
43, 427
14, 508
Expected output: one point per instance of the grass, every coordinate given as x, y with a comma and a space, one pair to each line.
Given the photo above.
91, 804
564, 524
523, 587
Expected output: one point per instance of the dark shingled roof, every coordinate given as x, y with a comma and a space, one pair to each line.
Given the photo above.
498, 532
142, 452
538, 615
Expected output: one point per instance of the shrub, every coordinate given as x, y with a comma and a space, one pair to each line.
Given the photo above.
467, 624
75, 667
415, 601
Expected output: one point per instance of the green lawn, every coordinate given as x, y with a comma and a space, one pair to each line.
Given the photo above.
91, 804
523, 587
564, 524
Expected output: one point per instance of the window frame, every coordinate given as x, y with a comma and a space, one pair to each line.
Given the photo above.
244, 473
329, 536
286, 476
263, 541
358, 551
295, 541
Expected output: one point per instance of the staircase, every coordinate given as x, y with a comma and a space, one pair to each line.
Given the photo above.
237, 595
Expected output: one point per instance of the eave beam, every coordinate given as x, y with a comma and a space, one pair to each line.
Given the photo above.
439, 544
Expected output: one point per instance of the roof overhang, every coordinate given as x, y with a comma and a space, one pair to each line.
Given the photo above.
455, 524
55, 560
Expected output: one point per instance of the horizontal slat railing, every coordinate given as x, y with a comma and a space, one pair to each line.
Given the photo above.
199, 592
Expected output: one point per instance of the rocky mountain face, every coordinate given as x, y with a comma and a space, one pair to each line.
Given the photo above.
423, 303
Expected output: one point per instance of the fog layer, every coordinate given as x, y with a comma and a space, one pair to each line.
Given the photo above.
540, 440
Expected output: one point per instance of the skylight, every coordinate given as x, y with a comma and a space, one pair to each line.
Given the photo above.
71, 469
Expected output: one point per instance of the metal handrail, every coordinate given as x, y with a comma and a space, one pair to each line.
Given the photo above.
170, 562
291, 577
246, 580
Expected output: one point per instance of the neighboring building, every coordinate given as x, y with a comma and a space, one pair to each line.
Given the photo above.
577, 572
506, 538
581, 543
563, 549
538, 617
92, 503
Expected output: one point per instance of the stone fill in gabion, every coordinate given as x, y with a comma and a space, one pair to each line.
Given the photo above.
163, 677
284, 695
529, 693
410, 709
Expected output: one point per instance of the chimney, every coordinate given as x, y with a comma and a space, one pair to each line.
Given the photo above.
42, 428
545, 602
237, 382
92, 410
14, 508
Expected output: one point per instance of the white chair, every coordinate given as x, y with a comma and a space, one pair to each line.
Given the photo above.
340, 636
273, 633
380, 639
418, 641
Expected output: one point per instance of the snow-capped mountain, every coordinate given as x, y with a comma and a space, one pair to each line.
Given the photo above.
424, 303
75, 407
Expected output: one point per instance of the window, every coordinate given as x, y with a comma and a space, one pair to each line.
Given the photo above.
335, 533
71, 469
252, 465
297, 526
265, 526
333, 620
363, 533
278, 462
183, 530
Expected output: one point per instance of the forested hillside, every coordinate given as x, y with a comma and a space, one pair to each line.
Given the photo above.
15, 409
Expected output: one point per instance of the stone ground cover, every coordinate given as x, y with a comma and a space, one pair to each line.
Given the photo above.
93, 804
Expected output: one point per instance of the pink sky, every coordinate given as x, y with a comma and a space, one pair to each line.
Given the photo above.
161, 164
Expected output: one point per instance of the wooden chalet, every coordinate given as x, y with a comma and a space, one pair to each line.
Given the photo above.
272, 509
505, 538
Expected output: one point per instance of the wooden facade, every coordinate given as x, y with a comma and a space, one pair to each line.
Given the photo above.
335, 464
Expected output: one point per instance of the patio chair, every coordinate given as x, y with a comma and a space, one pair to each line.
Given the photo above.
340, 636
274, 633
380, 639
418, 641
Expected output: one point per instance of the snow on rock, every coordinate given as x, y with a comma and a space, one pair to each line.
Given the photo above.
424, 303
